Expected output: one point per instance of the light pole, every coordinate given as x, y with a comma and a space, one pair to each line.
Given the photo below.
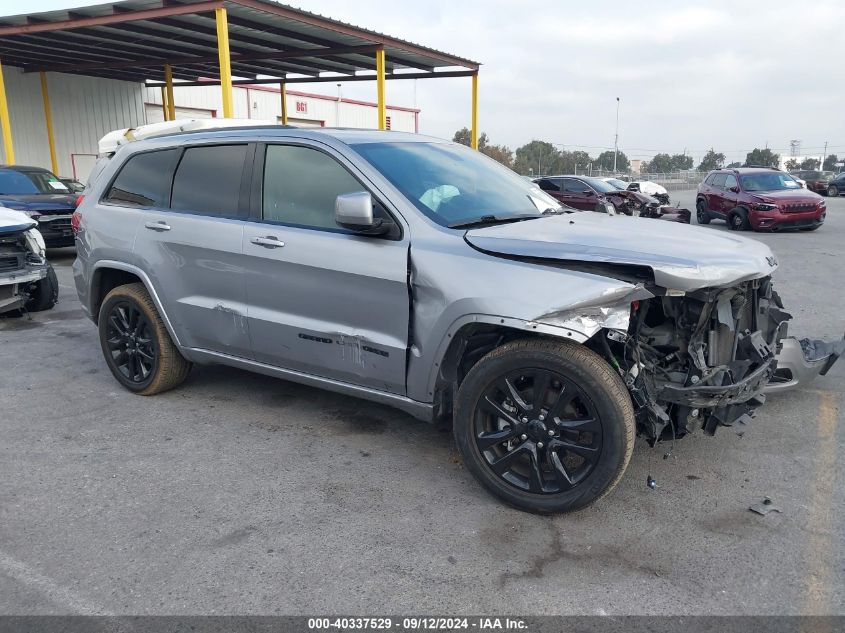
616, 138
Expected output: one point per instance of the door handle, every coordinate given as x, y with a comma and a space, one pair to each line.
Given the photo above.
268, 242
160, 225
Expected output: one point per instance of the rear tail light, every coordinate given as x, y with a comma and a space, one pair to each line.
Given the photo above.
79, 199
75, 221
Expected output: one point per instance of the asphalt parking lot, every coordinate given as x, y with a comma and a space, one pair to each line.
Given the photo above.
242, 494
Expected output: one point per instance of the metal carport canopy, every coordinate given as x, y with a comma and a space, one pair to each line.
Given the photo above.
199, 42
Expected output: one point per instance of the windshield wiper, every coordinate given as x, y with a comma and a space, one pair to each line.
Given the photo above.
491, 219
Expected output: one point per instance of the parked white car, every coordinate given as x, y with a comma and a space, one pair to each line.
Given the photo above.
27, 280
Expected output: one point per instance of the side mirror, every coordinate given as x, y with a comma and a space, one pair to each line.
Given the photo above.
735, 189
354, 211
588, 192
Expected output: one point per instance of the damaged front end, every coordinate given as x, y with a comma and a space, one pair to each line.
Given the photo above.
702, 359
23, 263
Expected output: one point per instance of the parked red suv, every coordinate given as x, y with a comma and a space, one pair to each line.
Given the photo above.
759, 198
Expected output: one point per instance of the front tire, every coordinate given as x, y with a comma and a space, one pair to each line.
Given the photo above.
833, 191
45, 293
702, 215
738, 219
547, 426
137, 348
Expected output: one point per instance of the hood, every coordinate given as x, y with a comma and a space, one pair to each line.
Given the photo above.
682, 257
43, 202
787, 195
15, 221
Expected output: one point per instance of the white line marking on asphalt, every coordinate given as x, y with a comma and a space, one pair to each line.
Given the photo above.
50, 588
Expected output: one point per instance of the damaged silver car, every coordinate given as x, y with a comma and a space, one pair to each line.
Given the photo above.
27, 280
417, 273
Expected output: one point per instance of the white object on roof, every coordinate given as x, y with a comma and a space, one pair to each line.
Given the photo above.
111, 141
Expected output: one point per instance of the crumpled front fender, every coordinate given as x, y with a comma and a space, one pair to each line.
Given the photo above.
800, 361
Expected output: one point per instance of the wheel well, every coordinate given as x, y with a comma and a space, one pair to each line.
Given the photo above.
104, 281
468, 345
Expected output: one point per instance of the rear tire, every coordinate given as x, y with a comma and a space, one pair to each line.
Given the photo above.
534, 447
702, 215
138, 350
45, 293
738, 219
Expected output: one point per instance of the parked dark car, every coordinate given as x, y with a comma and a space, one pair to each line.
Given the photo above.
42, 196
836, 186
814, 179
758, 198
594, 194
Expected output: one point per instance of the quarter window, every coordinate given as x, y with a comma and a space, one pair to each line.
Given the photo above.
208, 179
301, 185
144, 179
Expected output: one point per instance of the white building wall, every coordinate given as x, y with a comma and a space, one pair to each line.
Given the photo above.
265, 103
83, 109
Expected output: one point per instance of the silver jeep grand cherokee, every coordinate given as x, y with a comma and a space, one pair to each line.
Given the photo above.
418, 273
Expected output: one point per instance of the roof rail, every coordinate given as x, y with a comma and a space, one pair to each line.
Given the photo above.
111, 141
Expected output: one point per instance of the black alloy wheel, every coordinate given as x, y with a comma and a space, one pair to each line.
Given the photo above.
702, 216
131, 345
538, 431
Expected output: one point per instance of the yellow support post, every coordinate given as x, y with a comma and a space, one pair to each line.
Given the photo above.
168, 85
5, 123
382, 106
164, 102
48, 120
473, 139
284, 97
225, 61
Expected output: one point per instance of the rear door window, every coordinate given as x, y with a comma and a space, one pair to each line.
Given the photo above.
144, 180
549, 184
208, 180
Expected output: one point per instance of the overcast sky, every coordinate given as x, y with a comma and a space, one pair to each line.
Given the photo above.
690, 75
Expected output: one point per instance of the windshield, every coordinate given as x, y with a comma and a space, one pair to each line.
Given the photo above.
600, 185
618, 184
773, 181
453, 184
13, 182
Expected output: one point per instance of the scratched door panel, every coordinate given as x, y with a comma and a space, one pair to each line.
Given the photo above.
329, 304
198, 269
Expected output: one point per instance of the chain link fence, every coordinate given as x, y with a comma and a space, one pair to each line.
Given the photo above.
673, 181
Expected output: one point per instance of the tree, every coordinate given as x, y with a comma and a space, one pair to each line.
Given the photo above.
464, 137
681, 162
501, 153
810, 163
538, 158
830, 163
734, 165
711, 160
762, 158
605, 161
791, 164
659, 164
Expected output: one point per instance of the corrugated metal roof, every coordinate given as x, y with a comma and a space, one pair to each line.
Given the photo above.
132, 40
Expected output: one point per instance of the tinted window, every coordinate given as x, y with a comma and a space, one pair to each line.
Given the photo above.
730, 181
547, 184
143, 180
208, 179
570, 185
719, 180
301, 184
